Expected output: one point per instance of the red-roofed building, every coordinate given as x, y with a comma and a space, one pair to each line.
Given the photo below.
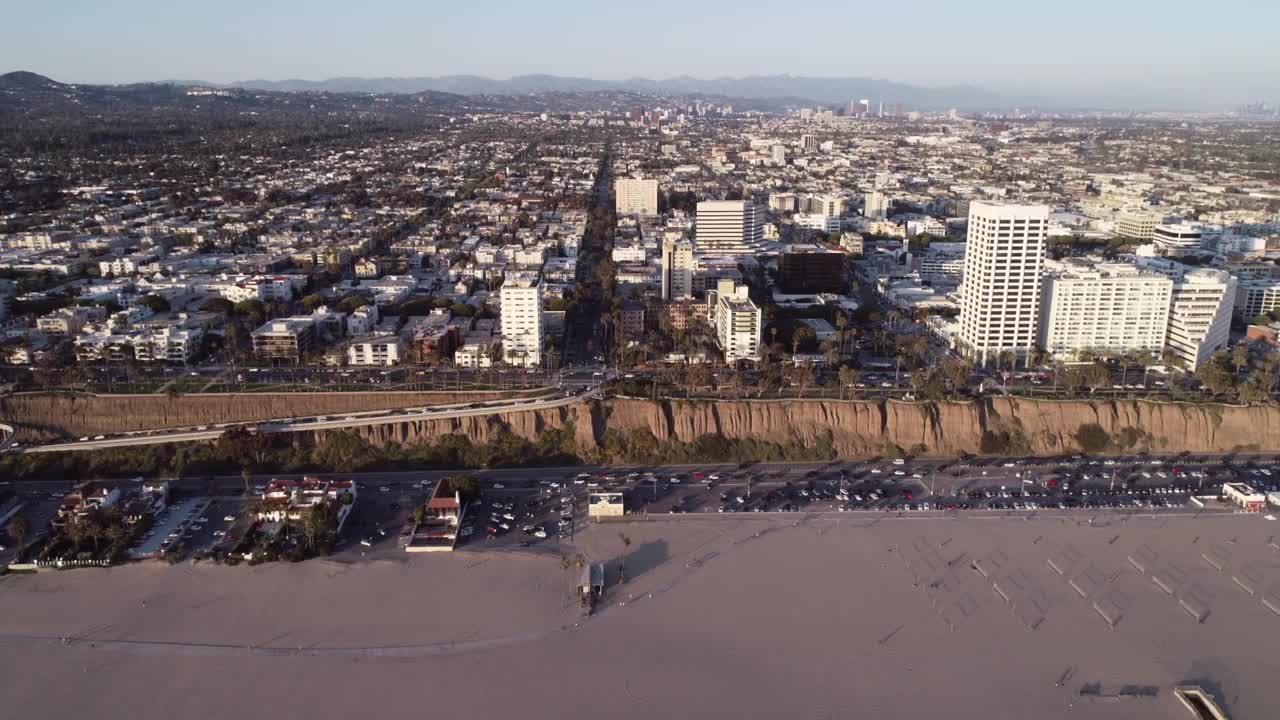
288, 499
438, 531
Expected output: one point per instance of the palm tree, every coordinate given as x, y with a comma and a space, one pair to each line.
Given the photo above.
245, 475
830, 353
314, 523
116, 533
842, 322
18, 528
848, 377
626, 549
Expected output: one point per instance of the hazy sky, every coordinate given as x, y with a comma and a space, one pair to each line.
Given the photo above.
1219, 48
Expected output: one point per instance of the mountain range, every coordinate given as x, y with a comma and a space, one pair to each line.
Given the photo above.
838, 91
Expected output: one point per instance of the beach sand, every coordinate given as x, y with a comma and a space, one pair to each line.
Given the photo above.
792, 616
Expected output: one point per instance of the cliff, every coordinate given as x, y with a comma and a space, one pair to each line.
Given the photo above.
863, 429
850, 429
51, 415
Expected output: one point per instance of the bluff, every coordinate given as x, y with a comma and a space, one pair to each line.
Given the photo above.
855, 429
53, 415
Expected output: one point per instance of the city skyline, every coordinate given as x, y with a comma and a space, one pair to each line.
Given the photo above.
1181, 60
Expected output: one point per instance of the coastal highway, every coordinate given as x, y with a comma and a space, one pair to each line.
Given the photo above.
324, 422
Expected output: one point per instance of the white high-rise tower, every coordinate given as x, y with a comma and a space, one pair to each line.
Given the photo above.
1000, 296
677, 269
521, 298
728, 227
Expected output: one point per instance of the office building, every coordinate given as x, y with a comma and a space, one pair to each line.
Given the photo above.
286, 338
943, 262
828, 205
1103, 308
875, 205
1000, 296
1178, 239
1136, 225
808, 143
728, 227
817, 221
634, 196
813, 272
383, 350
1200, 315
1255, 296
678, 267
521, 300
778, 153
784, 202
736, 321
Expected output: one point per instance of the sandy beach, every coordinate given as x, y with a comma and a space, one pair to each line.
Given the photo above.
788, 616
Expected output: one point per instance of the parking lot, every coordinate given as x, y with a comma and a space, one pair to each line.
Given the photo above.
528, 512
172, 526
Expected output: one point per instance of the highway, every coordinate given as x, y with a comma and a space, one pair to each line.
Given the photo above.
314, 423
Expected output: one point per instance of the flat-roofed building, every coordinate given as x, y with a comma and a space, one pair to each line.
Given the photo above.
1000, 296
285, 338
636, 196
1103, 308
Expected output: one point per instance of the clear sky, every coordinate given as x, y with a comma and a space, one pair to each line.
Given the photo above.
1221, 48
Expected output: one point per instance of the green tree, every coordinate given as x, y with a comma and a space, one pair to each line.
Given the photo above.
463, 485
313, 301
1214, 375
155, 302
343, 452
1258, 387
1093, 438
218, 305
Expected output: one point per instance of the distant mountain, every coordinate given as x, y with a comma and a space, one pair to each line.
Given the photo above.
28, 81
24, 91
813, 89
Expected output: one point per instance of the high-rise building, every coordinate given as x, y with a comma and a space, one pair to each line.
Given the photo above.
635, 196
1199, 309
521, 300
1103, 308
875, 205
1200, 315
778, 153
728, 227
1000, 295
677, 269
808, 143
736, 321
813, 272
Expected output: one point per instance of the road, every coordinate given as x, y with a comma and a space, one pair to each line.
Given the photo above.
585, 332
314, 423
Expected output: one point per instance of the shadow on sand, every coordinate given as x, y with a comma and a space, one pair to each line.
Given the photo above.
641, 560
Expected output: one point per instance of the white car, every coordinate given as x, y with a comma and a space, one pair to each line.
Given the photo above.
385, 488
229, 518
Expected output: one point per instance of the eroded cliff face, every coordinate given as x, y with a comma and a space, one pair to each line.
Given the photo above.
865, 429
52, 415
854, 429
